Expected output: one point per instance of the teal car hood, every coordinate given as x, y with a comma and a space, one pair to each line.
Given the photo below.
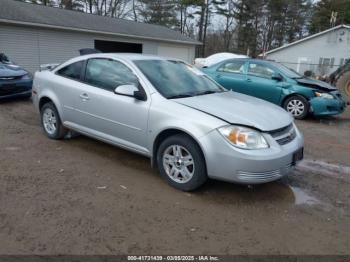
236, 108
316, 84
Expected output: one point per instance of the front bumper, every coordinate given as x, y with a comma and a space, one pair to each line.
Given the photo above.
327, 107
228, 163
17, 88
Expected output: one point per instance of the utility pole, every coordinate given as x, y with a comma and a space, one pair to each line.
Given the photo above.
333, 19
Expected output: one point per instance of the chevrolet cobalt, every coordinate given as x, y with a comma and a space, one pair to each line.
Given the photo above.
189, 126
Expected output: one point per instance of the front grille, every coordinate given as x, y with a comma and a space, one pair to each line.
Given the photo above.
284, 135
12, 89
10, 77
281, 131
332, 108
287, 139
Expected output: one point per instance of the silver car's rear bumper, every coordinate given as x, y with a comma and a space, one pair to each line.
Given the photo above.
226, 162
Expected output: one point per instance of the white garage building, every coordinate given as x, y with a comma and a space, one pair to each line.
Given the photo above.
322, 53
31, 35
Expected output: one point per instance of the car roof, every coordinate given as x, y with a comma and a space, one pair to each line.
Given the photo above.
250, 59
244, 59
126, 56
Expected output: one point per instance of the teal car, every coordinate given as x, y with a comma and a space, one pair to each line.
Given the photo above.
278, 84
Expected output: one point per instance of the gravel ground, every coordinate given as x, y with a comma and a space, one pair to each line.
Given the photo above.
80, 196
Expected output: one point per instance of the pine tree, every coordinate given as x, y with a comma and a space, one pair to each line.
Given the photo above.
226, 9
322, 13
160, 12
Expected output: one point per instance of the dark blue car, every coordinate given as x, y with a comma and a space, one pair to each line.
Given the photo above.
14, 80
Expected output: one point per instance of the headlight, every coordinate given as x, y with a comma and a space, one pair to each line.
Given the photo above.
243, 137
26, 77
324, 95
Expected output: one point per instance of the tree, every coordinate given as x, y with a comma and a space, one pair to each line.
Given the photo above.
183, 8
322, 14
226, 9
160, 12
77, 5
266, 24
204, 11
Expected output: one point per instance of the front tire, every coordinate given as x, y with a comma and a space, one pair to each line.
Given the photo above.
51, 122
181, 163
297, 106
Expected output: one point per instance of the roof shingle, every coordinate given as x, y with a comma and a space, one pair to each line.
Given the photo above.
16, 11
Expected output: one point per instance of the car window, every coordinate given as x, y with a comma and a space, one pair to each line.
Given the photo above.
260, 70
108, 74
233, 67
72, 71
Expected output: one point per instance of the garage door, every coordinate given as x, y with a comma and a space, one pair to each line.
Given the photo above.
117, 47
182, 53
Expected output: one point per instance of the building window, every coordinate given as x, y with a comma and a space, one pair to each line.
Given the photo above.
343, 61
326, 62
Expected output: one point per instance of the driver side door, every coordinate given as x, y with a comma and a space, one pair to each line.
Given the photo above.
261, 84
106, 115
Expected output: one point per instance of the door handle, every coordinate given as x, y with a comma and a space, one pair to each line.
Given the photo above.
249, 80
218, 76
84, 97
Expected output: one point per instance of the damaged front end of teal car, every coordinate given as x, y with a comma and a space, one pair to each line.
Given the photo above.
326, 99
280, 85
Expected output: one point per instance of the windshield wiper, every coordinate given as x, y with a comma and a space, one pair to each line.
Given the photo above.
180, 96
209, 92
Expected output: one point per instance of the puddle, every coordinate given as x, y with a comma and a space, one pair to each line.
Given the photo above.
303, 198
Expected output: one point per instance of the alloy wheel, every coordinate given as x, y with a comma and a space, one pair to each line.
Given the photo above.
178, 163
49, 121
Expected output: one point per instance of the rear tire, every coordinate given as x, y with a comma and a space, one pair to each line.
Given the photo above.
51, 122
181, 162
343, 85
297, 106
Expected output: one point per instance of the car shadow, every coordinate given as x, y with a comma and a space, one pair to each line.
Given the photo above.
213, 191
13, 100
342, 119
277, 192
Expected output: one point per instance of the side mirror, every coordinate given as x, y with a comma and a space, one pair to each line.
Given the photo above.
277, 77
130, 90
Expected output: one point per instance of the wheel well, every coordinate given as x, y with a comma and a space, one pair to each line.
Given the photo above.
43, 101
162, 136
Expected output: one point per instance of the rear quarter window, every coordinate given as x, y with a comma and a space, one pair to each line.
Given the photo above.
73, 71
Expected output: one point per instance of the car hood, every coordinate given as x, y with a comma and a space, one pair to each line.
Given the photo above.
10, 70
236, 108
316, 84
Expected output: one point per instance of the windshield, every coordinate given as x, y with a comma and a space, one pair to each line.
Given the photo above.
4, 59
287, 71
175, 79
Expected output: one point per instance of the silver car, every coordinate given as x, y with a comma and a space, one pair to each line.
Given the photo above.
189, 126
